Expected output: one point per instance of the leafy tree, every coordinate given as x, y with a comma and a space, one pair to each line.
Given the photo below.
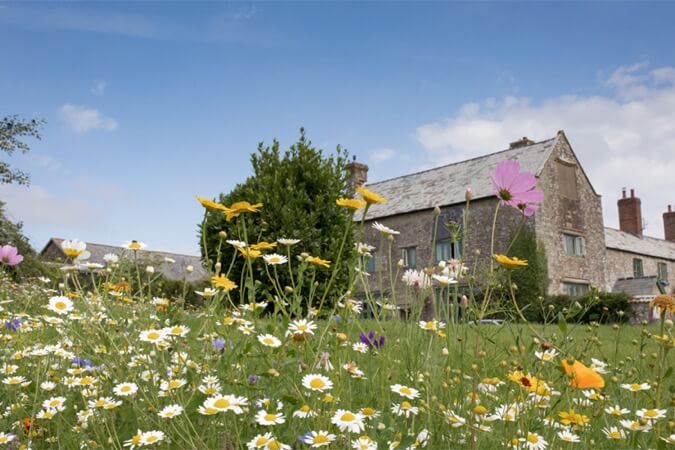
12, 129
532, 280
11, 233
298, 189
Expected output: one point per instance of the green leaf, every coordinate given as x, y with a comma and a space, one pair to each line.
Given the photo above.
562, 323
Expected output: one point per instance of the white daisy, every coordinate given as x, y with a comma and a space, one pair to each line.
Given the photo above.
385, 229
60, 305
269, 340
348, 421
316, 439
316, 382
125, 389
274, 259
405, 391
171, 411
269, 418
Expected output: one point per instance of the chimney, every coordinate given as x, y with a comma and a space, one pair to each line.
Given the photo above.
358, 175
630, 213
669, 224
524, 142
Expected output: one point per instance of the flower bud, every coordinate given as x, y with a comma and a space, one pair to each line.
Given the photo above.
222, 234
150, 269
288, 289
445, 351
437, 210
189, 269
468, 194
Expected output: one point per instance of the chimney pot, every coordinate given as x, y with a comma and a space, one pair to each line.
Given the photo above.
358, 175
630, 214
623, 192
669, 224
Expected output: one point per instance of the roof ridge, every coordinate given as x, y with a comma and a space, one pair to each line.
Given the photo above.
460, 162
123, 248
643, 237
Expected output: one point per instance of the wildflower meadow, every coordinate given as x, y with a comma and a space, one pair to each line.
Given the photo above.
100, 357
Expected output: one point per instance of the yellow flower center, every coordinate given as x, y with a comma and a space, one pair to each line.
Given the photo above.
651, 413
635, 387
151, 439
153, 335
317, 383
274, 445
262, 440
320, 439
222, 403
368, 411
532, 438
60, 305
405, 391
406, 405
348, 417
270, 417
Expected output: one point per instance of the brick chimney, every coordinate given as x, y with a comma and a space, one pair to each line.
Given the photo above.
630, 213
524, 142
358, 174
669, 224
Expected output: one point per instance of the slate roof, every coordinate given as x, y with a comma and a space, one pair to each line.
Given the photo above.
648, 246
173, 271
645, 286
446, 185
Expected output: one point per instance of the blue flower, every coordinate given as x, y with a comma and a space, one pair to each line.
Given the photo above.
371, 341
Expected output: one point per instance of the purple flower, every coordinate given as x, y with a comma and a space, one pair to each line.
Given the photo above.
10, 255
371, 341
515, 188
252, 379
218, 344
81, 362
13, 324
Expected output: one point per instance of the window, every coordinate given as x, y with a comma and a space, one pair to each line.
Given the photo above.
567, 180
409, 257
574, 245
447, 249
638, 271
662, 269
574, 289
370, 263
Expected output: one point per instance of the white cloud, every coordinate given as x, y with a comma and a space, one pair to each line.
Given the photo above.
81, 119
38, 208
98, 87
382, 155
624, 139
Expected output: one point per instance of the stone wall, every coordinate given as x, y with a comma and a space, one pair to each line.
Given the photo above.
570, 205
620, 265
417, 230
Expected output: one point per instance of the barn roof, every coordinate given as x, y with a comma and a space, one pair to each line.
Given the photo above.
171, 270
446, 185
648, 246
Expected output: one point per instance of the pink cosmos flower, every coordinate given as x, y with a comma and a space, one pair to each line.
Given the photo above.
515, 188
10, 255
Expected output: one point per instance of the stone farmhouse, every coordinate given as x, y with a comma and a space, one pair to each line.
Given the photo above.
173, 266
581, 252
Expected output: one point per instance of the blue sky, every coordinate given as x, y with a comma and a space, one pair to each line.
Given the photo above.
149, 104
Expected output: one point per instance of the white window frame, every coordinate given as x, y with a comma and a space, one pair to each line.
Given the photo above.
573, 245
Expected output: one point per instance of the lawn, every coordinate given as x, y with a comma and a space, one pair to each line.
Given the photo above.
100, 371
